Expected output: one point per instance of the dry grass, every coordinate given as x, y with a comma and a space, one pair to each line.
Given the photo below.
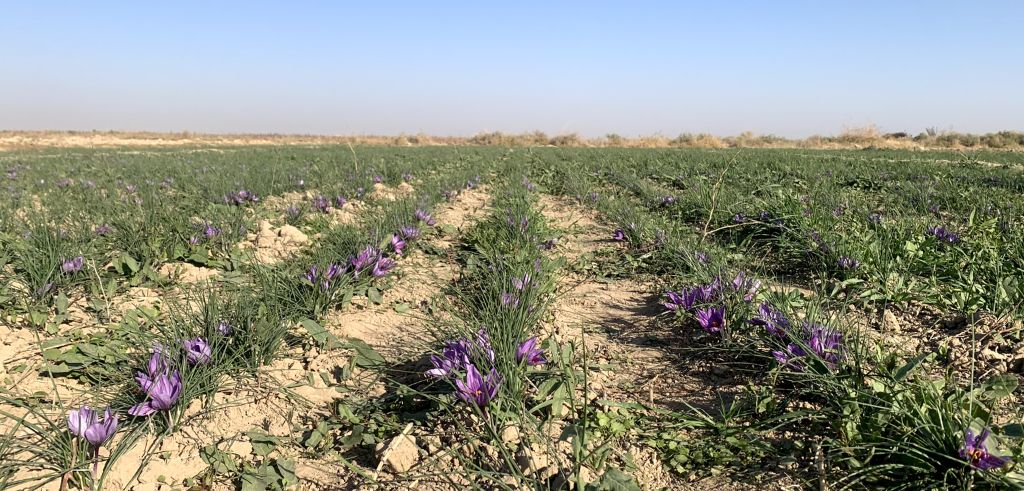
850, 138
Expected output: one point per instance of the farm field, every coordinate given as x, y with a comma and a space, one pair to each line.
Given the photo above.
337, 317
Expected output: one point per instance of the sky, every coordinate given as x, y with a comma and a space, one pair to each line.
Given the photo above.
789, 68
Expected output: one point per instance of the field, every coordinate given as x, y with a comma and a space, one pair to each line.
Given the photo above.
371, 317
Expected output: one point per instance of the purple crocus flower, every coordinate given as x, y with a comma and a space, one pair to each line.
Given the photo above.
668, 200
424, 217
772, 319
529, 352
224, 328
364, 259
87, 423
976, 452
522, 283
197, 351
377, 179
321, 204
209, 231
822, 342
469, 184
292, 211
477, 389
847, 262
73, 265
156, 366
409, 232
549, 244
103, 229
711, 320
875, 218
339, 201
406, 176
397, 244
509, 299
675, 302
619, 235
702, 257
162, 394
943, 235
360, 191
194, 240
382, 267
739, 218
454, 358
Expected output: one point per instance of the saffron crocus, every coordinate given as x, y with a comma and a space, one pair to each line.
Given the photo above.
378, 179
818, 341
477, 389
529, 353
409, 232
739, 218
424, 217
454, 358
339, 201
668, 200
943, 235
847, 262
292, 211
407, 177
197, 351
509, 299
382, 267
772, 319
156, 366
194, 240
875, 218
364, 259
619, 235
712, 319
73, 265
104, 229
224, 328
702, 257
161, 394
89, 424
522, 283
976, 452
321, 204
397, 244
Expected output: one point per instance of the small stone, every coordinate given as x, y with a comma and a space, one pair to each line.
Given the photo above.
889, 322
510, 435
401, 454
990, 354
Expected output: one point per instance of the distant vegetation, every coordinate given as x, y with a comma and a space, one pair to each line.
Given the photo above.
850, 138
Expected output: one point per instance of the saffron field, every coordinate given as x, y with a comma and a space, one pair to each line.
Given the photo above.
335, 317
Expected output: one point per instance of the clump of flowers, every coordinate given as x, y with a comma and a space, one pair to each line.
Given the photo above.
240, 198
72, 265
424, 217
771, 319
975, 451
323, 278
478, 390
339, 201
711, 319
161, 385
848, 263
812, 341
457, 355
943, 235
619, 235
321, 204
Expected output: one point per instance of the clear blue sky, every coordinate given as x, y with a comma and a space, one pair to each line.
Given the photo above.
789, 68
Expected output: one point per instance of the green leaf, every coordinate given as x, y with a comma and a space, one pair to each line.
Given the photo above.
999, 386
366, 357
401, 308
374, 295
61, 302
615, 480
909, 367
317, 332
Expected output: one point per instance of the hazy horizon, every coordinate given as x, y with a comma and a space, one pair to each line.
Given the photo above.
793, 69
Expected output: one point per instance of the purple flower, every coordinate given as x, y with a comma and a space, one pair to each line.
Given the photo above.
406, 176
549, 244
522, 283
364, 259
397, 244
339, 201
476, 389
292, 211
702, 257
409, 232
194, 240
839, 211
454, 358
675, 302
162, 393
197, 351
509, 299
875, 218
529, 352
772, 319
711, 320
668, 200
87, 423
224, 328
943, 235
424, 217
43, 290
469, 184
156, 366
976, 453
847, 262
209, 231
619, 235
360, 191
72, 265
321, 204
818, 341
240, 198
739, 218
377, 179
382, 267
104, 229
